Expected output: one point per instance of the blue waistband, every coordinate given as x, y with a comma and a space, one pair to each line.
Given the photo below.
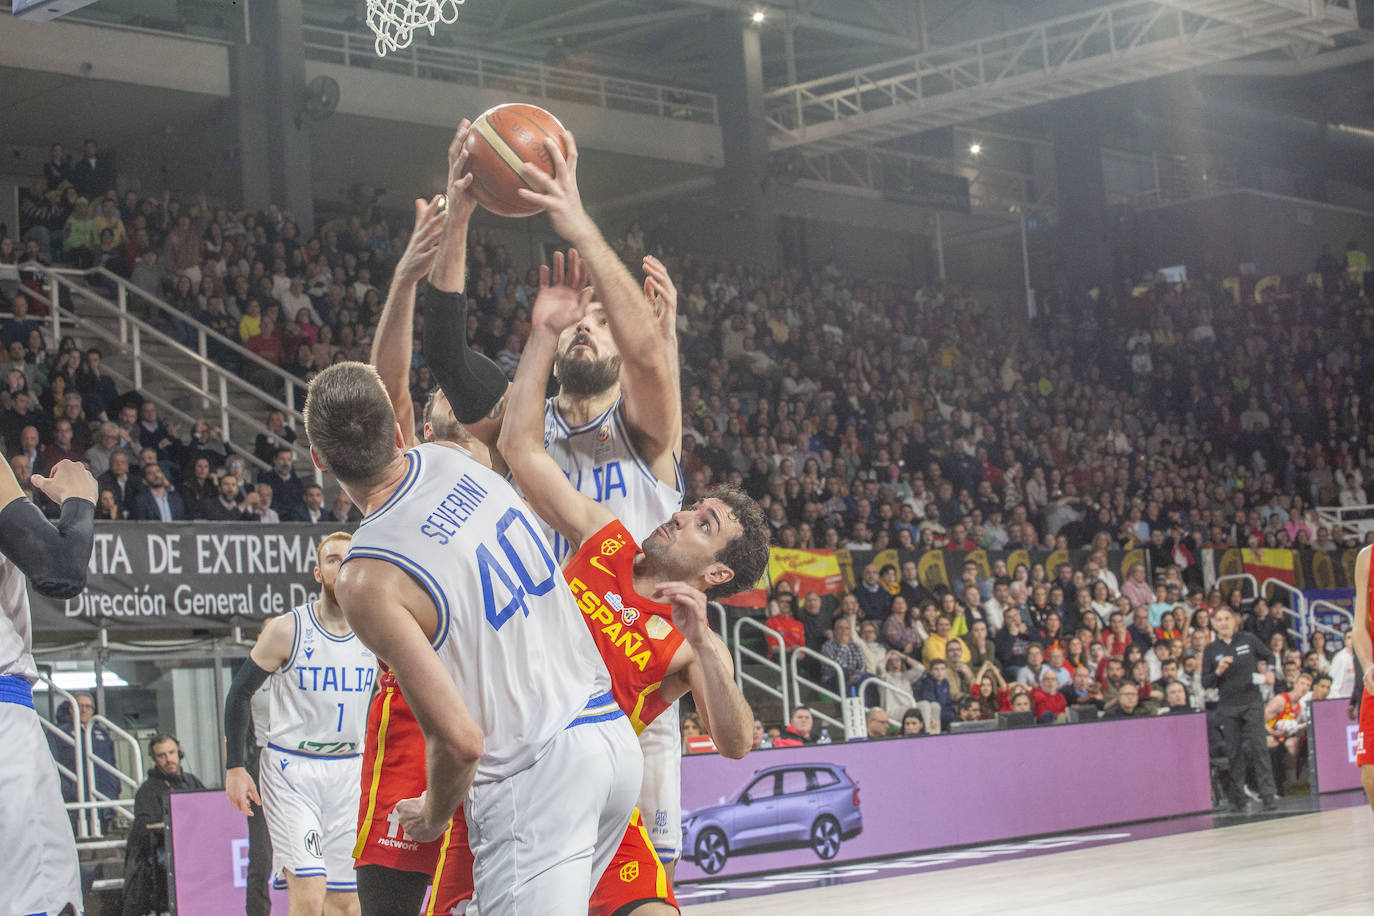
601, 708
17, 690
287, 750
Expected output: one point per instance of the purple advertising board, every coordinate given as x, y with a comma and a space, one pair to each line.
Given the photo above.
210, 857
800, 807
1334, 739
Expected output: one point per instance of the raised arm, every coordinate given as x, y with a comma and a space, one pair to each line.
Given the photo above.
654, 417
270, 652
474, 385
53, 556
710, 675
562, 297
385, 607
391, 343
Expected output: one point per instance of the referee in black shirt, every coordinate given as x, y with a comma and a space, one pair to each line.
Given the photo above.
1228, 664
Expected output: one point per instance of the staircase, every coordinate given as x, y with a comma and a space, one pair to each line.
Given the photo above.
136, 334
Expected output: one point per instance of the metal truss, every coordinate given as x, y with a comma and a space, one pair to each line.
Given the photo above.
1113, 45
992, 191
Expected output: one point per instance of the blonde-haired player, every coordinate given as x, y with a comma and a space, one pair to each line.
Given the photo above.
321, 683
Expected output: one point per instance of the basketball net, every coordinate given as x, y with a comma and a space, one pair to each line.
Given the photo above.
395, 21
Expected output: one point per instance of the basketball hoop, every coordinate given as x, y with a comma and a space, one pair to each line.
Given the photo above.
395, 21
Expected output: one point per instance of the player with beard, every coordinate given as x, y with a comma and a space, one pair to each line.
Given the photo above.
645, 606
321, 681
392, 869
615, 427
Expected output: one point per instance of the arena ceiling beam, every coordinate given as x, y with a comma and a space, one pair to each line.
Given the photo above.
1111, 45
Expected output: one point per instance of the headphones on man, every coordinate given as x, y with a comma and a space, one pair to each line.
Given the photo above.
159, 738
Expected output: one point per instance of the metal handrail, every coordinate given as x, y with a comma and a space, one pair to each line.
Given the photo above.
1242, 578
483, 68
78, 747
1337, 518
92, 760
1298, 612
718, 609
742, 651
1314, 625
798, 681
133, 329
901, 692
204, 334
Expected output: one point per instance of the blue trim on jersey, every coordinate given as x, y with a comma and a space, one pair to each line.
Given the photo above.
585, 427
419, 572
285, 750
296, 625
310, 608
601, 700
611, 716
17, 690
412, 475
341, 885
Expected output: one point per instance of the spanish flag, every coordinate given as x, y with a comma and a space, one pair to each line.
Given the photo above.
808, 570
1269, 563
756, 597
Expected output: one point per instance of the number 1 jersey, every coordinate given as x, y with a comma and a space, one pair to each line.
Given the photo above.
317, 703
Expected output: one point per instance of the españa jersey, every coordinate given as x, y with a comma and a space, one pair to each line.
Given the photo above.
635, 636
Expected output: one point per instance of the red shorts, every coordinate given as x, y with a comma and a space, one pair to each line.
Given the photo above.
1364, 743
394, 769
635, 875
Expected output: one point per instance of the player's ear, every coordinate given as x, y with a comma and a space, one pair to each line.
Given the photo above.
315, 457
718, 574
400, 439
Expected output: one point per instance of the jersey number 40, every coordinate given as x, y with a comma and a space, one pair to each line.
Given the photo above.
503, 577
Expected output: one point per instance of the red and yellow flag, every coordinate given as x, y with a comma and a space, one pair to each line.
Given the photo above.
808, 570
1269, 563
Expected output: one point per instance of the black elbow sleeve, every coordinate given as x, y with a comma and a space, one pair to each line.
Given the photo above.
53, 557
472, 383
238, 709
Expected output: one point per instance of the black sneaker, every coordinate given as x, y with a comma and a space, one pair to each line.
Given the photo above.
1271, 803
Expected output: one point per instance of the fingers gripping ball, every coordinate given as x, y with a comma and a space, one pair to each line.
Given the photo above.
503, 139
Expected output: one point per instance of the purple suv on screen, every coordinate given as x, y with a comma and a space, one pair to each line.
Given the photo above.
800, 804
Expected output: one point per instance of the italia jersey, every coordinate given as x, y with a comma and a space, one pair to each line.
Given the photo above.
599, 459
318, 701
508, 630
635, 636
16, 634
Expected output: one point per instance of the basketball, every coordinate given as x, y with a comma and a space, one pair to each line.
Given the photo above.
505, 137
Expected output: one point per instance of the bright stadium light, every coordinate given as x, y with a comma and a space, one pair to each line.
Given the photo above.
758, 17
975, 148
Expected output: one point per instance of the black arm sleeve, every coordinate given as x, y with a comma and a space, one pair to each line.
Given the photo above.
53, 557
472, 383
1262, 650
238, 707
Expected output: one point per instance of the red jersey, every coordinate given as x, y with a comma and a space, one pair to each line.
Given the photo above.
635, 636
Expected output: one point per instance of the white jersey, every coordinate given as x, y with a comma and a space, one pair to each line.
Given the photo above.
16, 627
600, 460
320, 696
509, 632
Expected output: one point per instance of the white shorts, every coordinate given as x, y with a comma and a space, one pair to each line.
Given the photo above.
311, 805
542, 837
41, 873
660, 797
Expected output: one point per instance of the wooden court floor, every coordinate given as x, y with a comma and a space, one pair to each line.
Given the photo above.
1305, 864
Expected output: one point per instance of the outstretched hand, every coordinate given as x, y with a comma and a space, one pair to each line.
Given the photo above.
460, 202
418, 257
661, 293
563, 293
689, 609
558, 193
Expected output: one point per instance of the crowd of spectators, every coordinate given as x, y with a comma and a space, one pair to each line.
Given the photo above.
861, 414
